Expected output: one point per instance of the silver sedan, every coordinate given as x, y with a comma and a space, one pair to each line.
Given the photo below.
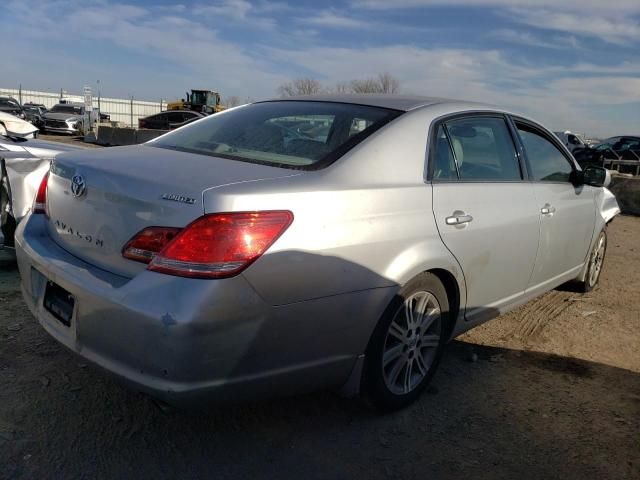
224, 262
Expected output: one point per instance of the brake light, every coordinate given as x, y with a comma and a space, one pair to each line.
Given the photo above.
40, 202
145, 244
220, 245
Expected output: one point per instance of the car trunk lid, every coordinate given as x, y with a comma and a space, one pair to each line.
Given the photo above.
98, 201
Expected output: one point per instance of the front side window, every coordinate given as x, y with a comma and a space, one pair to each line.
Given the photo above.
546, 162
291, 134
481, 148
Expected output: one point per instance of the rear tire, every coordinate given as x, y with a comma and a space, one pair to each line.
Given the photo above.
407, 344
596, 262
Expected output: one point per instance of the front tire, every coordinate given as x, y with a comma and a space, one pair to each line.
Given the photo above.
407, 344
596, 261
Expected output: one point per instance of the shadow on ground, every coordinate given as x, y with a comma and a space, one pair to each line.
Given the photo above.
507, 414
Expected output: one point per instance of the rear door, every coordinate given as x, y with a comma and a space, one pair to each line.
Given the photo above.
484, 208
567, 212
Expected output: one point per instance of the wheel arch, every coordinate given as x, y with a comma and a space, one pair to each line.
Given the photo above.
453, 295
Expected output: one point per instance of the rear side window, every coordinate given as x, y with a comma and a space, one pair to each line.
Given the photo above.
546, 162
291, 134
444, 165
476, 149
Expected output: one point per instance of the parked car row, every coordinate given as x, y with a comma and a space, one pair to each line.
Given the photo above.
65, 117
314, 242
614, 148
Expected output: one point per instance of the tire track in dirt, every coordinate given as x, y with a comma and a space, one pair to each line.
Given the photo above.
539, 313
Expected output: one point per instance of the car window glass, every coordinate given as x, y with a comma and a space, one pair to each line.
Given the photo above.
483, 149
294, 134
444, 166
9, 103
359, 125
175, 117
310, 127
546, 161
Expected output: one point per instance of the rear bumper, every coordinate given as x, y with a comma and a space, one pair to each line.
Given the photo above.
189, 341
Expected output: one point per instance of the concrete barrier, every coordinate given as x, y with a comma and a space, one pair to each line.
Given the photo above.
123, 136
627, 192
144, 135
104, 134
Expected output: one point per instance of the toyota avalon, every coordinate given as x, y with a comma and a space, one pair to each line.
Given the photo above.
223, 261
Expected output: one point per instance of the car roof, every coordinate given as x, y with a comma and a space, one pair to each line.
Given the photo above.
178, 111
73, 104
392, 101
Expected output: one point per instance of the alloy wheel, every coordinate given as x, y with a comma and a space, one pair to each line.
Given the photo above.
411, 342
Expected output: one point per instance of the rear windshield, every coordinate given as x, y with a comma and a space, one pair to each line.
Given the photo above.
291, 134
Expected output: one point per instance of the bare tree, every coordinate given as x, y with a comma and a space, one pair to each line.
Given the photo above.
342, 87
384, 83
388, 83
300, 86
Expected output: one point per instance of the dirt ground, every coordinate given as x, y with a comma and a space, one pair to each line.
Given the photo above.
71, 139
551, 390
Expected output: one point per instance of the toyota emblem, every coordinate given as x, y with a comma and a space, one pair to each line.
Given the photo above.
78, 185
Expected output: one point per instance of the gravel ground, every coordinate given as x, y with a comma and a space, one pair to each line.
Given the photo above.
551, 390
72, 139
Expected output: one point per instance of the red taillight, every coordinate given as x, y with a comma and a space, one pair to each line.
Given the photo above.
217, 245
40, 202
144, 245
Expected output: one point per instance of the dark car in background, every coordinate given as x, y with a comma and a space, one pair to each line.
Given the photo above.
104, 117
624, 147
34, 114
42, 106
11, 106
169, 119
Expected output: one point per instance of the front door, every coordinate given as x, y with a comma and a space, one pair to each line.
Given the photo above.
567, 213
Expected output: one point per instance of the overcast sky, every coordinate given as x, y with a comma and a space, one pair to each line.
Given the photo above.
572, 64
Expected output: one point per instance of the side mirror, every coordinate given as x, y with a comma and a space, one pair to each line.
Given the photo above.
596, 176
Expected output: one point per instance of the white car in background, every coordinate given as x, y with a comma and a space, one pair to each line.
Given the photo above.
23, 163
571, 140
16, 127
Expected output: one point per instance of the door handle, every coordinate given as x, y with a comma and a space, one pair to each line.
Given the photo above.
548, 209
458, 218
